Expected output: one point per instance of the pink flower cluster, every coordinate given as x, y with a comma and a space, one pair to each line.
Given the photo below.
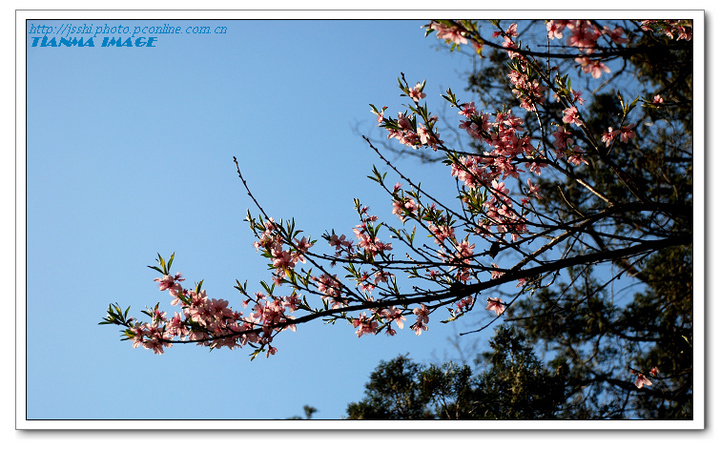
448, 33
404, 131
465, 304
626, 133
365, 325
504, 136
495, 305
371, 324
508, 42
641, 380
441, 231
416, 93
478, 124
429, 137
565, 146
283, 259
393, 315
211, 322
674, 29
584, 36
407, 133
592, 66
489, 169
529, 92
368, 242
403, 206
341, 244
572, 116
422, 319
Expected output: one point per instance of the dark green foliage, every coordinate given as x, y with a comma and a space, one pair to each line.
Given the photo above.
516, 385
394, 392
512, 384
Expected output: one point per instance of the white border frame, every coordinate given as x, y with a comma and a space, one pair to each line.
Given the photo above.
698, 233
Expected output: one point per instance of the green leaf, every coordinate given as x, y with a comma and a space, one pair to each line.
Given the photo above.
170, 261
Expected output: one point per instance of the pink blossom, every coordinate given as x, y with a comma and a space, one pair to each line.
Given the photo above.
533, 189
615, 35
380, 114
577, 97
422, 318
465, 249
555, 28
576, 158
329, 287
495, 305
562, 138
403, 121
150, 338
159, 316
416, 93
364, 325
594, 67
303, 245
465, 303
609, 136
452, 34
654, 371
684, 33
496, 274
138, 335
419, 327
382, 276
339, 242
530, 93
283, 260
572, 116
365, 285
404, 207
371, 245
171, 283
501, 192
395, 315
584, 35
405, 132
510, 45
641, 381
626, 133
291, 302
422, 313
657, 99
176, 326
468, 109
428, 138
441, 232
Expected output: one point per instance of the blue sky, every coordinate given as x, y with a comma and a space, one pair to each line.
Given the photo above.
129, 154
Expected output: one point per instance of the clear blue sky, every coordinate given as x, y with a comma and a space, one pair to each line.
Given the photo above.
129, 153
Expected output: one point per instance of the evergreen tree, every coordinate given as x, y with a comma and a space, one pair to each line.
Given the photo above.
511, 384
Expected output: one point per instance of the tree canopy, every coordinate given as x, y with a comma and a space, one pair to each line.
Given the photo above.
512, 384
